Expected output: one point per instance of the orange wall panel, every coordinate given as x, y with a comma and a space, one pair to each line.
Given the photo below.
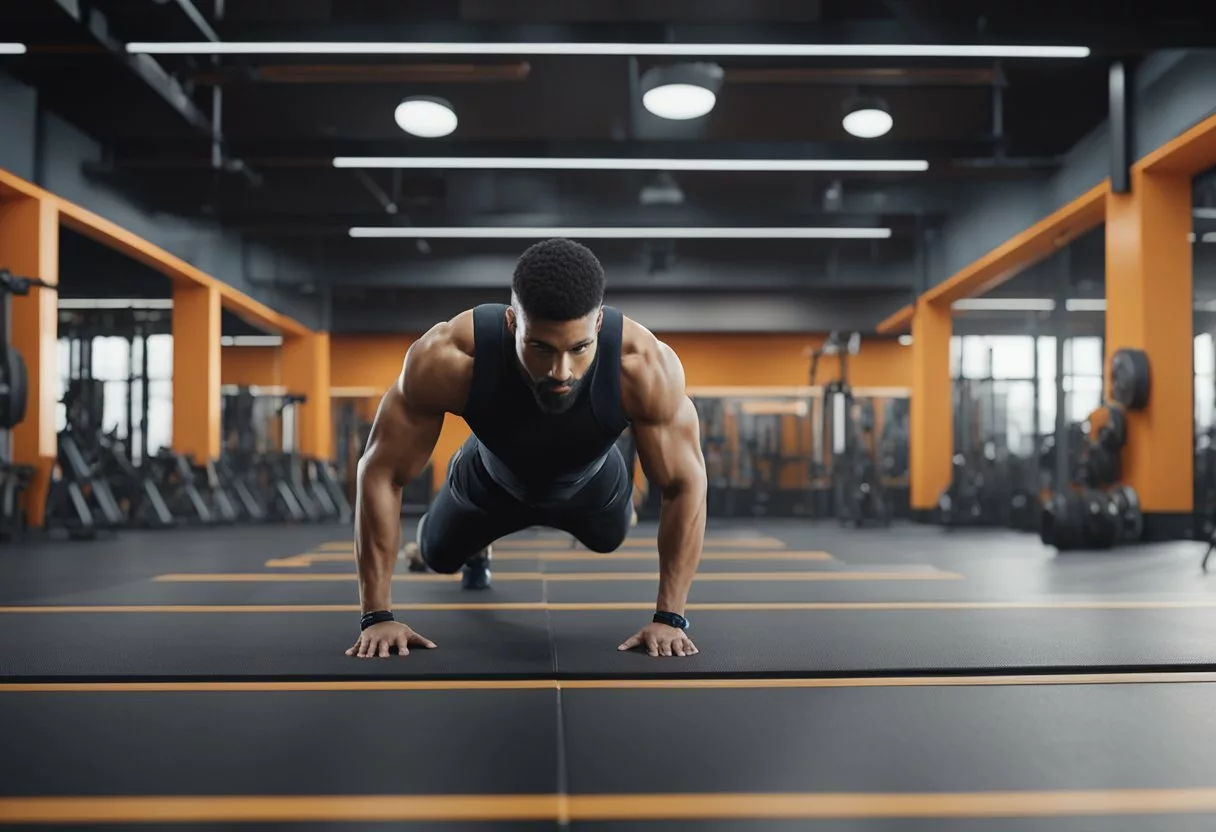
251, 366
728, 360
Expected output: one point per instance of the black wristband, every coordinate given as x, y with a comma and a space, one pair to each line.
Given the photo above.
671, 620
370, 618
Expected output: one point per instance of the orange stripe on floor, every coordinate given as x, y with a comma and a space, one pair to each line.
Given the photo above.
673, 683
566, 577
574, 556
606, 807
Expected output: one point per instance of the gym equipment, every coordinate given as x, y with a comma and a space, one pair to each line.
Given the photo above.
260, 468
1130, 378
81, 500
14, 387
102, 464
990, 485
858, 494
1099, 463
1087, 518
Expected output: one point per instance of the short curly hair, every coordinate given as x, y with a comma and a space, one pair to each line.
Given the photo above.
558, 280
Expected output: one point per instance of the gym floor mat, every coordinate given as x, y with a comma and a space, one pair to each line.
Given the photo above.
851, 641
995, 751
230, 643
890, 740
280, 743
249, 645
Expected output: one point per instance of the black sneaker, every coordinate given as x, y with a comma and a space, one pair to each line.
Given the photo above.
475, 574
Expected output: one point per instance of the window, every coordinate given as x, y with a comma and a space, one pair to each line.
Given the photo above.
1205, 381
160, 392
111, 365
1047, 384
1012, 356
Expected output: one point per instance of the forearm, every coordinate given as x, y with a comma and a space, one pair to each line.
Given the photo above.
377, 537
681, 536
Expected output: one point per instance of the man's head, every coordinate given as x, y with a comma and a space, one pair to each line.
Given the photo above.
556, 297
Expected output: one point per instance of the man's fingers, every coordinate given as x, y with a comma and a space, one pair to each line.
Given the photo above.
384, 645
652, 645
630, 643
418, 638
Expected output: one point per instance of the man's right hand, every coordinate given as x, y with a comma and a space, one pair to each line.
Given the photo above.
379, 639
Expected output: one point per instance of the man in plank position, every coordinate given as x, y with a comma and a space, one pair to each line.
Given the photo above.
547, 384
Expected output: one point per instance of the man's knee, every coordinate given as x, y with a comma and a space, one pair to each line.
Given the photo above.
609, 532
430, 550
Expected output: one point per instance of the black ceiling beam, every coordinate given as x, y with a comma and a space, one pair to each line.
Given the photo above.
144, 66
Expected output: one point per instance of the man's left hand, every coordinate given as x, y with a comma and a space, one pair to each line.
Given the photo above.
661, 640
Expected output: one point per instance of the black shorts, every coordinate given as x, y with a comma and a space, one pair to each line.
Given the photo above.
471, 511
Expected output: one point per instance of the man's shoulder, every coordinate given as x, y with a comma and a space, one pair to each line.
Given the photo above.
438, 367
652, 377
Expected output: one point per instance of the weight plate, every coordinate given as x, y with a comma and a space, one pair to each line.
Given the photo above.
1063, 521
1113, 435
1130, 379
1133, 517
14, 384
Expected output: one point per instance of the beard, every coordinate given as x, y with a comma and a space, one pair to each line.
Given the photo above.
551, 401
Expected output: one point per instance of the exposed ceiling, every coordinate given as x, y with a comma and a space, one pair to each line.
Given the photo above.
283, 119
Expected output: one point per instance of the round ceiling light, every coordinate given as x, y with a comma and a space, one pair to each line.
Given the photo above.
867, 118
426, 117
681, 92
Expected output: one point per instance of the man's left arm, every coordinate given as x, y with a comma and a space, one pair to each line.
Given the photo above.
667, 431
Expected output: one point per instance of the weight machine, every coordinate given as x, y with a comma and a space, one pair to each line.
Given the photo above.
101, 484
271, 479
858, 494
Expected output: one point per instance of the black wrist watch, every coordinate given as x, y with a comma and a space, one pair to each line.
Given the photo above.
671, 619
370, 618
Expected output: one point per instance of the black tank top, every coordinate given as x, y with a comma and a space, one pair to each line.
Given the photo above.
533, 454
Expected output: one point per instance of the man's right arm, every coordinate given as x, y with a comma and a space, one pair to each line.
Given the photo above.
401, 441
433, 381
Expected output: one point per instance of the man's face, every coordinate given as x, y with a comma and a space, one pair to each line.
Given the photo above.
554, 355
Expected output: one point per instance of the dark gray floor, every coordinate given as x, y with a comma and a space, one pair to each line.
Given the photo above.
877, 739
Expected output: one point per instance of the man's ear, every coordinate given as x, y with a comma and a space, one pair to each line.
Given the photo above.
599, 320
511, 319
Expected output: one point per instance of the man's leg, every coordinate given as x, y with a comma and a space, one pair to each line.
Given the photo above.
467, 515
599, 515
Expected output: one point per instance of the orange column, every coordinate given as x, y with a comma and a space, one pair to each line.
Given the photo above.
306, 372
931, 445
196, 371
1149, 300
29, 247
